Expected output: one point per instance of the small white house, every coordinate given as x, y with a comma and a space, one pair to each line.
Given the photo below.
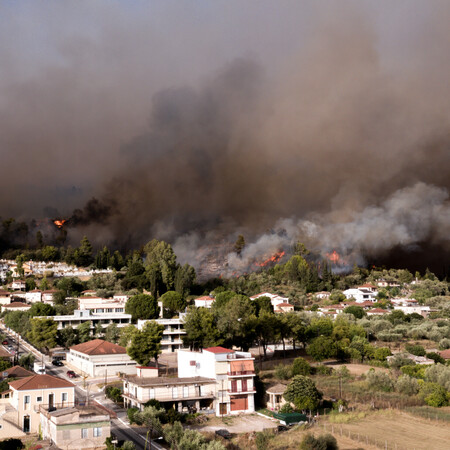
99, 358
204, 302
34, 296
361, 295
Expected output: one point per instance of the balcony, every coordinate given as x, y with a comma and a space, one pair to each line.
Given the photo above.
241, 373
170, 398
240, 391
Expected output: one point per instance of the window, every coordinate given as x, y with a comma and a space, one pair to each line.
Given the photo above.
175, 392
84, 433
26, 401
151, 393
97, 431
39, 399
64, 397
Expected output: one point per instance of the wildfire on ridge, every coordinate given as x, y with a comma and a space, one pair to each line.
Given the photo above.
334, 257
272, 259
60, 222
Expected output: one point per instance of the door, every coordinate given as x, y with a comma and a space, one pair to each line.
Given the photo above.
239, 403
244, 385
185, 391
223, 408
233, 385
26, 424
51, 399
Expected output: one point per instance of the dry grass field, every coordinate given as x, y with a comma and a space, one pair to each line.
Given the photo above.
393, 430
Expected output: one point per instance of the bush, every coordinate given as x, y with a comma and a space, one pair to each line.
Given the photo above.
11, 444
379, 381
401, 361
435, 336
381, 353
434, 394
262, 440
286, 408
438, 373
322, 370
283, 372
416, 371
436, 357
300, 367
444, 344
407, 385
114, 394
323, 442
130, 413
416, 349
388, 336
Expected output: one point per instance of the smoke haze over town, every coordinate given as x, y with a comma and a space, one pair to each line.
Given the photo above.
325, 122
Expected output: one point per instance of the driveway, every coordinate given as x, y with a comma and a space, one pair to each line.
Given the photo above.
239, 424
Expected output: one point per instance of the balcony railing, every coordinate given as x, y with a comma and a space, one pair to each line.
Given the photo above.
241, 372
169, 398
241, 391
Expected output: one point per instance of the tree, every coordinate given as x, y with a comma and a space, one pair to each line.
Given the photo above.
302, 392
150, 417
300, 367
117, 261
239, 244
41, 309
20, 259
142, 306
173, 302
30, 284
112, 333
146, 344
161, 254
67, 337
50, 253
98, 330
266, 325
201, 329
321, 348
84, 331
27, 361
39, 239
83, 254
43, 333
126, 335
357, 311
103, 258
263, 304
185, 277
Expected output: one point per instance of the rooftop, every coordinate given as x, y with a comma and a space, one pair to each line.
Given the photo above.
17, 372
218, 350
161, 381
99, 347
40, 382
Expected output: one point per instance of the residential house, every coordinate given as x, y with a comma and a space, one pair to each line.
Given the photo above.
5, 297
182, 393
33, 296
275, 299
20, 285
422, 310
99, 358
15, 306
89, 292
30, 394
283, 308
369, 287
384, 283
360, 295
47, 296
204, 302
16, 372
378, 312
232, 371
445, 354
76, 427
172, 335
322, 295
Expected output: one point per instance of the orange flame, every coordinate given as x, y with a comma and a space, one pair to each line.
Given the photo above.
60, 222
272, 259
334, 257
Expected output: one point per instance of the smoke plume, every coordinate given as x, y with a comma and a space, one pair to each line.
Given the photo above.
322, 123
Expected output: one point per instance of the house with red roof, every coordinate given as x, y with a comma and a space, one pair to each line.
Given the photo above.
233, 372
205, 301
99, 358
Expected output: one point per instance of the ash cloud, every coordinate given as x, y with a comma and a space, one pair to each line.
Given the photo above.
337, 122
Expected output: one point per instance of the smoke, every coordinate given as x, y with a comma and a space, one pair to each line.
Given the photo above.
322, 123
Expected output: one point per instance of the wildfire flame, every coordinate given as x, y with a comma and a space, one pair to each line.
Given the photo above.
334, 257
272, 259
60, 222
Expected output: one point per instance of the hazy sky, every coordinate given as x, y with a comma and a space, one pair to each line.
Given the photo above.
221, 112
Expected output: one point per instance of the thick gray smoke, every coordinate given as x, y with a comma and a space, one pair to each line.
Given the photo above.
217, 121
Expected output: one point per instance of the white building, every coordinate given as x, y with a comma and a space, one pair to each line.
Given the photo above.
34, 296
99, 358
422, 310
79, 317
275, 299
205, 301
98, 305
233, 371
47, 296
5, 297
172, 335
361, 295
15, 306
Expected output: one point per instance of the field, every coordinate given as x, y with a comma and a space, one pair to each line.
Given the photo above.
382, 429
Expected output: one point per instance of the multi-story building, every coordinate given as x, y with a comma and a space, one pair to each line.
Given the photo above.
100, 305
28, 395
184, 394
33, 296
172, 335
233, 372
361, 295
81, 316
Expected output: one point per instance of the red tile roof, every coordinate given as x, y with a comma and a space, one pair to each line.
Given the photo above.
445, 354
40, 382
16, 305
218, 350
284, 305
99, 347
205, 297
17, 372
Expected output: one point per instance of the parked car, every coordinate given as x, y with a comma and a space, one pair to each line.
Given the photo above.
57, 363
71, 374
5, 342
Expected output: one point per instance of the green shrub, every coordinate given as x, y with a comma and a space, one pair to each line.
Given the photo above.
286, 408
381, 353
416, 371
379, 381
407, 385
130, 413
436, 357
283, 372
400, 361
388, 336
444, 344
300, 367
323, 442
415, 349
114, 394
434, 394
323, 370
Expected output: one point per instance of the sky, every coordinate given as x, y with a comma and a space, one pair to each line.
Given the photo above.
196, 120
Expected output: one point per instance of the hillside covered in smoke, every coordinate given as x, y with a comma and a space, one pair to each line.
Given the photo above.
327, 124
